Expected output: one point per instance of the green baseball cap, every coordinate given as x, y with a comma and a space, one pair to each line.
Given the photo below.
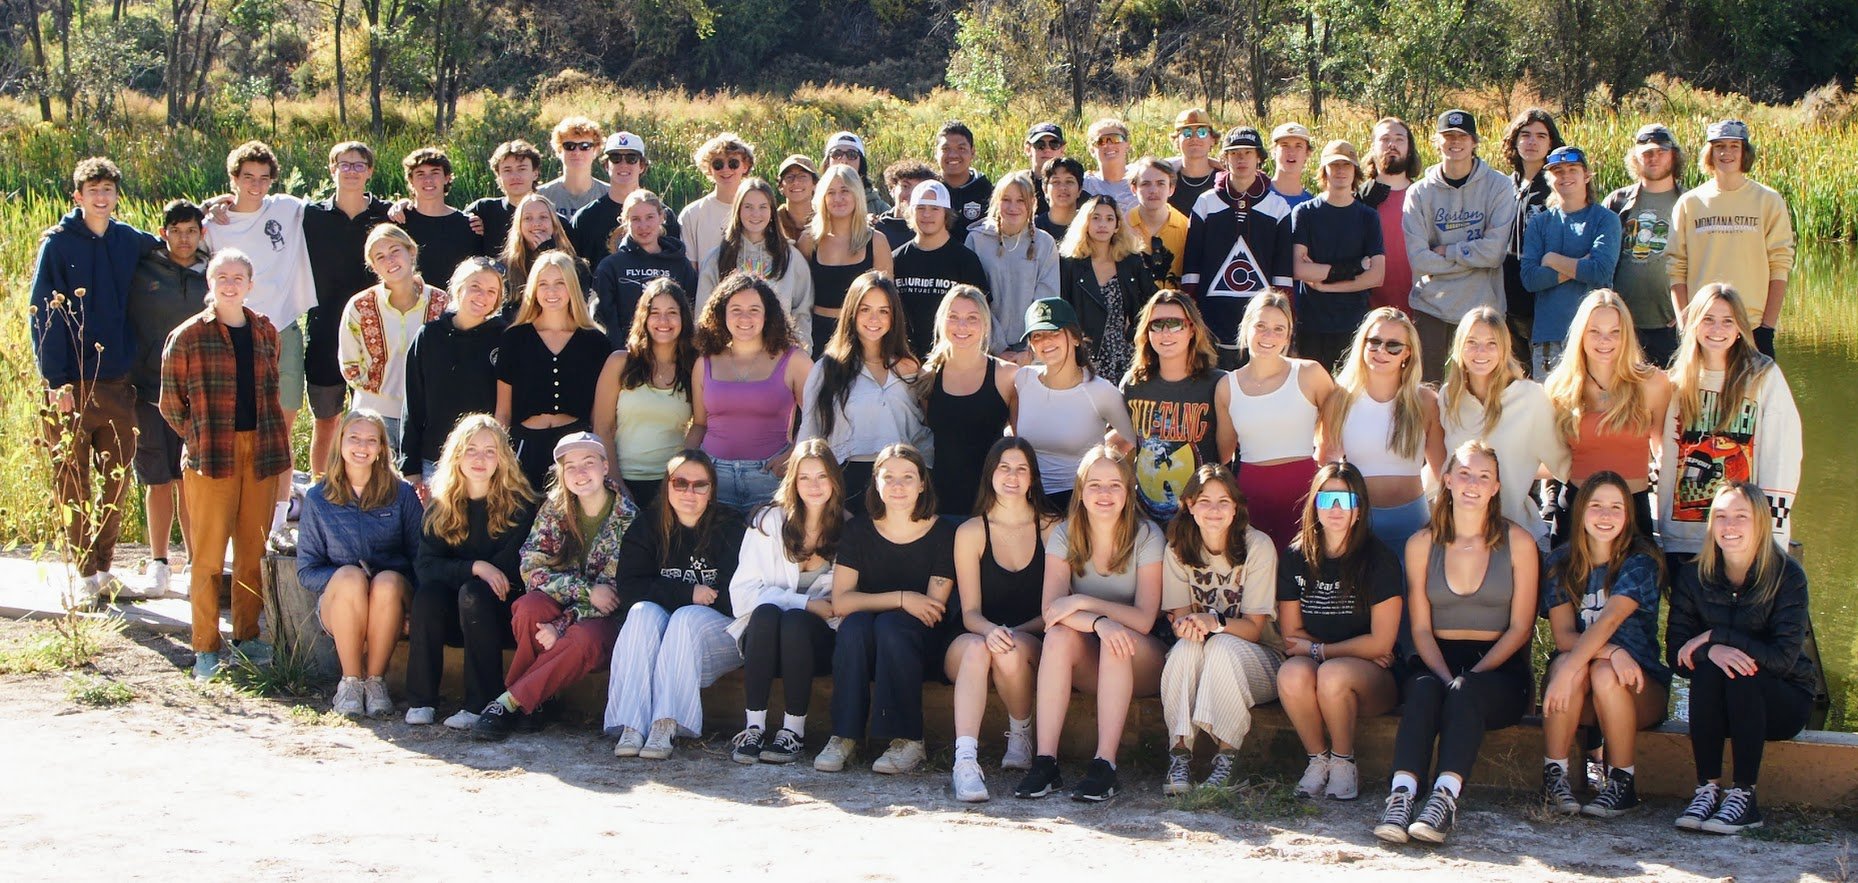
1049, 314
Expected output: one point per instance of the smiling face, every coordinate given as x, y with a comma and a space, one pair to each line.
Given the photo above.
362, 444
516, 177
728, 169
644, 223
1480, 351
1012, 476
1170, 333
583, 472
1732, 525
899, 483
1378, 348
745, 315
391, 261
97, 197
351, 171
1104, 491
812, 483
1214, 509
1015, 209
253, 180
1153, 187
230, 282
537, 223
964, 324
479, 460
840, 199
1269, 332
550, 290
428, 182
1111, 148
1063, 189
483, 294
1570, 182
689, 489
1053, 349
1473, 483
1604, 519
664, 319
1717, 330
797, 187
872, 318
757, 214
1726, 155
1602, 338
623, 169
1458, 147
930, 219
955, 154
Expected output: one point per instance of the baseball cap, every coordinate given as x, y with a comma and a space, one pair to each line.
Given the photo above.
1340, 151
579, 441
1193, 116
1049, 314
1654, 134
844, 139
1565, 155
931, 193
1456, 120
1044, 130
1241, 137
622, 142
801, 160
1290, 130
1727, 130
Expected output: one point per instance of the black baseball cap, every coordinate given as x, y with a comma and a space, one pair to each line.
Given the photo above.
1239, 137
1456, 120
1045, 130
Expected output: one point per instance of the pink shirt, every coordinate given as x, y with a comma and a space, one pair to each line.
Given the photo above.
1398, 284
747, 420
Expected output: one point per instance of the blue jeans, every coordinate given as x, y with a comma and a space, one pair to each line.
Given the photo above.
1544, 356
1394, 525
744, 484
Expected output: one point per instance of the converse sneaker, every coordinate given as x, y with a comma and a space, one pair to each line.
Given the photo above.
1395, 816
903, 756
1736, 814
348, 698
1042, 779
745, 748
1315, 776
379, 704
838, 752
1098, 784
1616, 798
1344, 780
421, 716
658, 742
1436, 818
494, 724
1018, 751
1557, 792
970, 785
1702, 807
1178, 780
1220, 775
630, 741
783, 748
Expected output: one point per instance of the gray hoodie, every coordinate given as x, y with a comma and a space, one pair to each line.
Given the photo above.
1016, 280
1473, 223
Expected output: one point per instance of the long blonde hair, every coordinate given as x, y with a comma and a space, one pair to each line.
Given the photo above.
1078, 551
1745, 367
1022, 180
518, 256
1407, 436
1630, 412
821, 224
941, 350
448, 518
1457, 385
531, 309
1076, 244
1443, 518
1764, 575
383, 479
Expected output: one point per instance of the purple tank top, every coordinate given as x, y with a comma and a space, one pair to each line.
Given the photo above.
748, 420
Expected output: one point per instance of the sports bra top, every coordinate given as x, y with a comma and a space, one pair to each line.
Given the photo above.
1277, 425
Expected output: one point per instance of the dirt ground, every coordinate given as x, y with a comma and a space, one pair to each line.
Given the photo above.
182, 782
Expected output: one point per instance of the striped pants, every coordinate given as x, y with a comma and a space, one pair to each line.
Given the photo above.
660, 663
1213, 686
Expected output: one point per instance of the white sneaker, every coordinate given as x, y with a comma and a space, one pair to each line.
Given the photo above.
379, 704
348, 698
903, 756
630, 741
461, 720
838, 752
1018, 751
970, 785
422, 716
1315, 777
1344, 780
160, 575
110, 587
82, 595
658, 744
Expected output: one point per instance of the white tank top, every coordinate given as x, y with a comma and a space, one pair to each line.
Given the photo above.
1367, 440
1277, 425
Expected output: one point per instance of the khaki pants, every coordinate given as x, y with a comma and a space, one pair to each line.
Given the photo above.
238, 506
97, 435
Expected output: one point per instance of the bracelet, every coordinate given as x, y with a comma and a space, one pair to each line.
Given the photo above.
1093, 623
1222, 619
1316, 653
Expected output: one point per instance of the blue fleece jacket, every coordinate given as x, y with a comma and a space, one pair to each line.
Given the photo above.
85, 338
331, 536
1591, 236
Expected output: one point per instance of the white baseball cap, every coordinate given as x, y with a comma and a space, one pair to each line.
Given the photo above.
620, 142
931, 193
844, 139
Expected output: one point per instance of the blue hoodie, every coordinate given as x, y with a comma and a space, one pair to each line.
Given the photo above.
87, 338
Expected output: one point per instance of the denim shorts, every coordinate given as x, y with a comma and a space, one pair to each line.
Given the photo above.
744, 484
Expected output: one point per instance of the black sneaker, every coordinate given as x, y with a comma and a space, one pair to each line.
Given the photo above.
1702, 807
494, 724
1395, 816
1099, 782
785, 747
1617, 797
535, 721
1435, 820
1737, 813
1041, 780
1557, 792
746, 746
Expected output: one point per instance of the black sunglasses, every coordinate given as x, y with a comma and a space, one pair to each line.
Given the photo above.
624, 159
718, 165
1390, 347
577, 145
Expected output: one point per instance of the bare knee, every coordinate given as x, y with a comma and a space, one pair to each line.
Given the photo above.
1297, 676
1332, 682
1602, 676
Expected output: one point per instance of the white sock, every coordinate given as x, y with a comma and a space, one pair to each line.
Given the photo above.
758, 719
1018, 726
966, 748
1560, 762
1629, 769
279, 515
1405, 780
1451, 784
794, 722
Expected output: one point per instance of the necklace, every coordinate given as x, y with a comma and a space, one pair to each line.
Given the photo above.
1605, 395
1201, 181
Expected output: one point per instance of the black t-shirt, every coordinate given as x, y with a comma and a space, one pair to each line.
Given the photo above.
896, 230
336, 243
970, 201
1186, 192
1177, 428
923, 277
444, 243
245, 395
1342, 237
1326, 615
496, 213
884, 566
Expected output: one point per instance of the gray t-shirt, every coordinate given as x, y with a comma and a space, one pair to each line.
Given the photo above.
1641, 277
568, 203
1117, 587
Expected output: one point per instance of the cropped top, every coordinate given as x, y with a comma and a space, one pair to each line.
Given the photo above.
1277, 425
1367, 435
1627, 453
1486, 608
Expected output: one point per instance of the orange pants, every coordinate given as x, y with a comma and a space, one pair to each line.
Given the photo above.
238, 506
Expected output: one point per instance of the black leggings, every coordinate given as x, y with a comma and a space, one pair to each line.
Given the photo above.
794, 645
1455, 718
468, 615
1749, 711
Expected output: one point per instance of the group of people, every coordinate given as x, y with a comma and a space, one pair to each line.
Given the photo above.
1159, 427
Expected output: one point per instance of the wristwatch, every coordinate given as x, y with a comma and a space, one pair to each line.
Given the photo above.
1222, 619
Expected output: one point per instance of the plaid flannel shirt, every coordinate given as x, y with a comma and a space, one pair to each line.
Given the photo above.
199, 388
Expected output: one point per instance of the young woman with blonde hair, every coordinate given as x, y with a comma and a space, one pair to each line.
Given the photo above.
1275, 405
536, 230
1384, 422
839, 247
379, 323
451, 368
548, 365
969, 397
1487, 396
1020, 259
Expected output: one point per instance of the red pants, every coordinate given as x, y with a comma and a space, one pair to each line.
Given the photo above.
537, 674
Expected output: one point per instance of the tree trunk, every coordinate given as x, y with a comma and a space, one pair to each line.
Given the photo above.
1313, 51
38, 58
61, 18
341, 67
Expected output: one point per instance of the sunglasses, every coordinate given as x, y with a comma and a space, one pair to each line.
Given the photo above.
1047, 144
689, 486
1111, 138
1390, 347
1194, 131
352, 167
624, 159
577, 145
1166, 326
718, 165
1335, 500
1658, 138
845, 154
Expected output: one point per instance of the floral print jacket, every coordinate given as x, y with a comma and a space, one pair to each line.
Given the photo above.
572, 587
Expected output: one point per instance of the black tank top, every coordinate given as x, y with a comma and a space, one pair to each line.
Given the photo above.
964, 428
831, 281
1010, 597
